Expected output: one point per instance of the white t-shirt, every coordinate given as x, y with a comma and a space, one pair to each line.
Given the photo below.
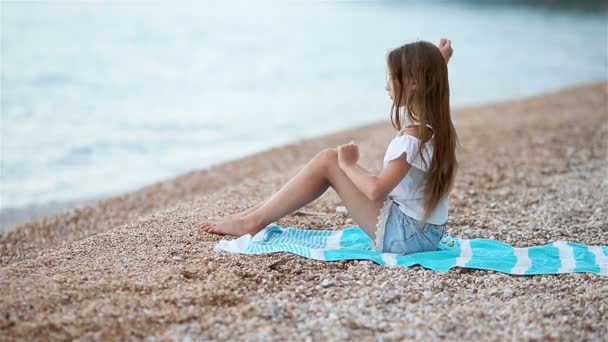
409, 193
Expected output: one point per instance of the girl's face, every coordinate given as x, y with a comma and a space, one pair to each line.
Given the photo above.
392, 87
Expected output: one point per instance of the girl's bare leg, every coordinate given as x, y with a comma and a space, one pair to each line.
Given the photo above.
303, 188
236, 215
310, 183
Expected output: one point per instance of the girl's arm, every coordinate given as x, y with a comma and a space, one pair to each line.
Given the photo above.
377, 187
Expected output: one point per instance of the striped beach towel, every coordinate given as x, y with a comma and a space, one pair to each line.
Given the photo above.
353, 243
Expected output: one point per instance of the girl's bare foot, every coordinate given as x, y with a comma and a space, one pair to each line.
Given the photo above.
232, 217
206, 225
445, 46
234, 226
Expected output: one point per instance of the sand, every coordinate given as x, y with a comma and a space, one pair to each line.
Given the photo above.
135, 266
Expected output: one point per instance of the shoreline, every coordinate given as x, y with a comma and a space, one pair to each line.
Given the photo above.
82, 216
15, 218
136, 266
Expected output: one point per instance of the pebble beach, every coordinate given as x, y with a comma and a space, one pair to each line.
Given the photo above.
532, 171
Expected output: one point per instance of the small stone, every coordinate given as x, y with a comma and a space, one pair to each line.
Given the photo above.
412, 297
263, 334
188, 274
569, 151
176, 258
341, 210
275, 312
343, 335
311, 277
326, 283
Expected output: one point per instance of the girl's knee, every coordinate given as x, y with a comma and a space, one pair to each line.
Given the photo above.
328, 155
327, 158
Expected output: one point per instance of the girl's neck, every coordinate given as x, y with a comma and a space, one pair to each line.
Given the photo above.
415, 107
408, 121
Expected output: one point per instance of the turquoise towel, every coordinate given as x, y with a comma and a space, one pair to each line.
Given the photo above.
487, 254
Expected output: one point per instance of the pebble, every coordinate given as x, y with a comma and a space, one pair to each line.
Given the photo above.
341, 210
275, 312
327, 283
157, 222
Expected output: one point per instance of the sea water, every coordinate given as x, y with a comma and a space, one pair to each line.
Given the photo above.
100, 98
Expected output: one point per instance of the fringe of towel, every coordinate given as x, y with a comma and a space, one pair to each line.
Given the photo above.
382, 218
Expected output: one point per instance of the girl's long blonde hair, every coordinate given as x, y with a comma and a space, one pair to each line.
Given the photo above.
423, 62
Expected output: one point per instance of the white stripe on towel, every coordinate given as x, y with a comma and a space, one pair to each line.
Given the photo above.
600, 259
317, 253
566, 255
333, 241
466, 253
390, 259
523, 261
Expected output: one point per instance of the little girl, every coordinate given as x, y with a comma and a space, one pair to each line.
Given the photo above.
404, 209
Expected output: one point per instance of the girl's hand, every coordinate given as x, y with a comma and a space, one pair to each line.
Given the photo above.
348, 154
445, 46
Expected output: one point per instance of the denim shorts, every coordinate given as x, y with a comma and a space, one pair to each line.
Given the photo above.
397, 232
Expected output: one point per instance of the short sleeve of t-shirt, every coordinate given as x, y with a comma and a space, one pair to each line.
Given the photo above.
409, 145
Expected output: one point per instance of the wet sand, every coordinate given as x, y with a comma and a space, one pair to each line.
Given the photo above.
135, 266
